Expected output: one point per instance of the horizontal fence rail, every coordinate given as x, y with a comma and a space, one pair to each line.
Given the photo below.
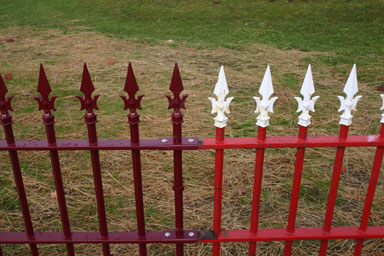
177, 143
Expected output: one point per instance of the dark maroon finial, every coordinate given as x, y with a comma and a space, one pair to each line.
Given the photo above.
176, 87
45, 103
131, 88
5, 103
87, 88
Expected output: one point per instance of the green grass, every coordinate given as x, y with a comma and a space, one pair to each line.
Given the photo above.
351, 28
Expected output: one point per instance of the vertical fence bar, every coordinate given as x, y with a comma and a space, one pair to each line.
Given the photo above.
257, 183
89, 104
371, 191
219, 106
346, 105
133, 104
333, 189
177, 103
1, 251
295, 190
47, 105
6, 122
263, 108
304, 105
218, 192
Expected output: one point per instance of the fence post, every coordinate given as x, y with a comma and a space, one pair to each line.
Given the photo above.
304, 105
47, 105
219, 106
6, 122
176, 104
346, 105
89, 104
133, 104
263, 107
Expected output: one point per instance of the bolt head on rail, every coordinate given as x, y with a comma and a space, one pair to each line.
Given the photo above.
306, 104
349, 103
265, 105
221, 105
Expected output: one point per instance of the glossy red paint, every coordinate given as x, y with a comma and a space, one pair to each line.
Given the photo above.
176, 103
177, 143
6, 122
96, 237
257, 182
47, 104
295, 189
89, 104
218, 189
133, 104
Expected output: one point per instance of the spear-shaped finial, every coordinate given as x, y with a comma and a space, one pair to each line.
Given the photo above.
5, 103
176, 88
349, 103
306, 104
131, 88
221, 105
265, 106
43, 87
87, 88
382, 108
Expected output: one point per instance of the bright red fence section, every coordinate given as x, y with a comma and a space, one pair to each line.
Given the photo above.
177, 144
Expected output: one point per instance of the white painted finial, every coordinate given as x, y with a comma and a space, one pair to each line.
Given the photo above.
221, 105
349, 103
265, 106
382, 108
306, 104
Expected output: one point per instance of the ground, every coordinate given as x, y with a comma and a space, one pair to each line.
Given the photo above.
63, 52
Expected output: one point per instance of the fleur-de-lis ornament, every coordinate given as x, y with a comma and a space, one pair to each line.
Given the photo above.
45, 103
87, 102
221, 105
382, 108
349, 103
5, 103
132, 103
265, 105
306, 104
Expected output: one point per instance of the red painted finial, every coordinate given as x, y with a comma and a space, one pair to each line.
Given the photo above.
45, 103
87, 88
131, 88
5, 103
176, 88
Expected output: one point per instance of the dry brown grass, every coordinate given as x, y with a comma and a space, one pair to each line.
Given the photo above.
63, 56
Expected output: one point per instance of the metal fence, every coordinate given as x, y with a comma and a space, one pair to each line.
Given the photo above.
177, 144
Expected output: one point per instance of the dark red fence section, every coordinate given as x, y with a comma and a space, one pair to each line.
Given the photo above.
177, 144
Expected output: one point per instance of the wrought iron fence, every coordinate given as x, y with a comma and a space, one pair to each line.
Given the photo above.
178, 144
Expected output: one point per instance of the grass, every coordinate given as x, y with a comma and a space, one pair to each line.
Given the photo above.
242, 35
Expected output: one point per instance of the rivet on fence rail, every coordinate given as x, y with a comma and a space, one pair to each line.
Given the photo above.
349, 103
221, 105
265, 105
306, 104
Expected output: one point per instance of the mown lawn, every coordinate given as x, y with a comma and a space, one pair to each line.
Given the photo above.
245, 36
